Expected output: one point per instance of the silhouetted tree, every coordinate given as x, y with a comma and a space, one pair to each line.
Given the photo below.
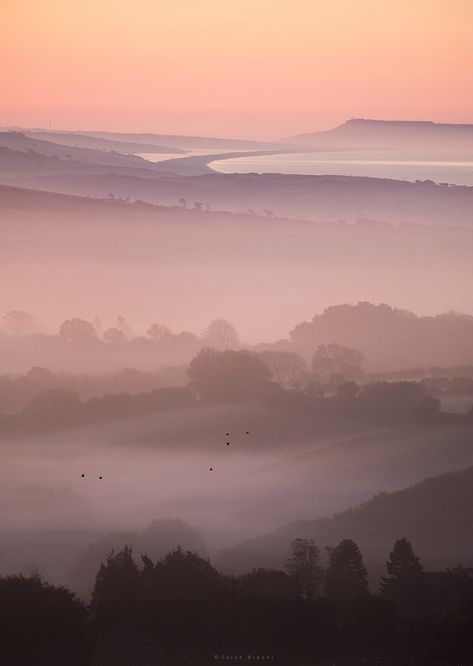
18, 322
117, 590
221, 335
157, 539
124, 327
268, 585
396, 401
346, 577
228, 374
304, 336
78, 331
336, 364
303, 565
40, 374
114, 336
98, 326
287, 368
54, 407
184, 596
41, 624
159, 333
404, 570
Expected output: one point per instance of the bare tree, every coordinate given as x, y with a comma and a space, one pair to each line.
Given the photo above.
124, 327
159, 332
113, 336
220, 334
337, 364
18, 322
288, 369
303, 565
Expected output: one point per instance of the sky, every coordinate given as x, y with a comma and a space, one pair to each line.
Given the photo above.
234, 68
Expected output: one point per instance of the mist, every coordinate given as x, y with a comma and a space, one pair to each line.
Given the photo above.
217, 367
67, 258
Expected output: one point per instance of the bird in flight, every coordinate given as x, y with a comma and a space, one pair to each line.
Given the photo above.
211, 469
100, 477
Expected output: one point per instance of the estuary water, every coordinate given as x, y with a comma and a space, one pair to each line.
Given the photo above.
439, 166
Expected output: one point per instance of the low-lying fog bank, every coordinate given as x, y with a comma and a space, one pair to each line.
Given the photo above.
159, 468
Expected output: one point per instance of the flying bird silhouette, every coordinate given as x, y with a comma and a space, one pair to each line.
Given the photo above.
82, 475
100, 477
211, 469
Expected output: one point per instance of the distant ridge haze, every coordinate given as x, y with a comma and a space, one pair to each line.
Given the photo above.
360, 133
355, 133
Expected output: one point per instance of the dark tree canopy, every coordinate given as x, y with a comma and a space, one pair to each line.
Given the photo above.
40, 623
54, 407
404, 571
114, 336
346, 576
268, 584
394, 401
78, 331
117, 589
228, 374
402, 560
303, 565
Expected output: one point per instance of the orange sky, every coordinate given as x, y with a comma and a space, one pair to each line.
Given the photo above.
254, 68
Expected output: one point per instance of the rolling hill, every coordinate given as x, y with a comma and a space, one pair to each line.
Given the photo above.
80, 140
435, 514
17, 141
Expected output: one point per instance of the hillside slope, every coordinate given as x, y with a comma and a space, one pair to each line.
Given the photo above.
435, 514
18, 141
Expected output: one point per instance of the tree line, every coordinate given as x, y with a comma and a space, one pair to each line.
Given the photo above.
379, 338
237, 376
181, 610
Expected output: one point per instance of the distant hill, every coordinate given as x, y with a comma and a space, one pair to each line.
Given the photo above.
436, 515
318, 198
79, 140
361, 134
21, 142
188, 142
